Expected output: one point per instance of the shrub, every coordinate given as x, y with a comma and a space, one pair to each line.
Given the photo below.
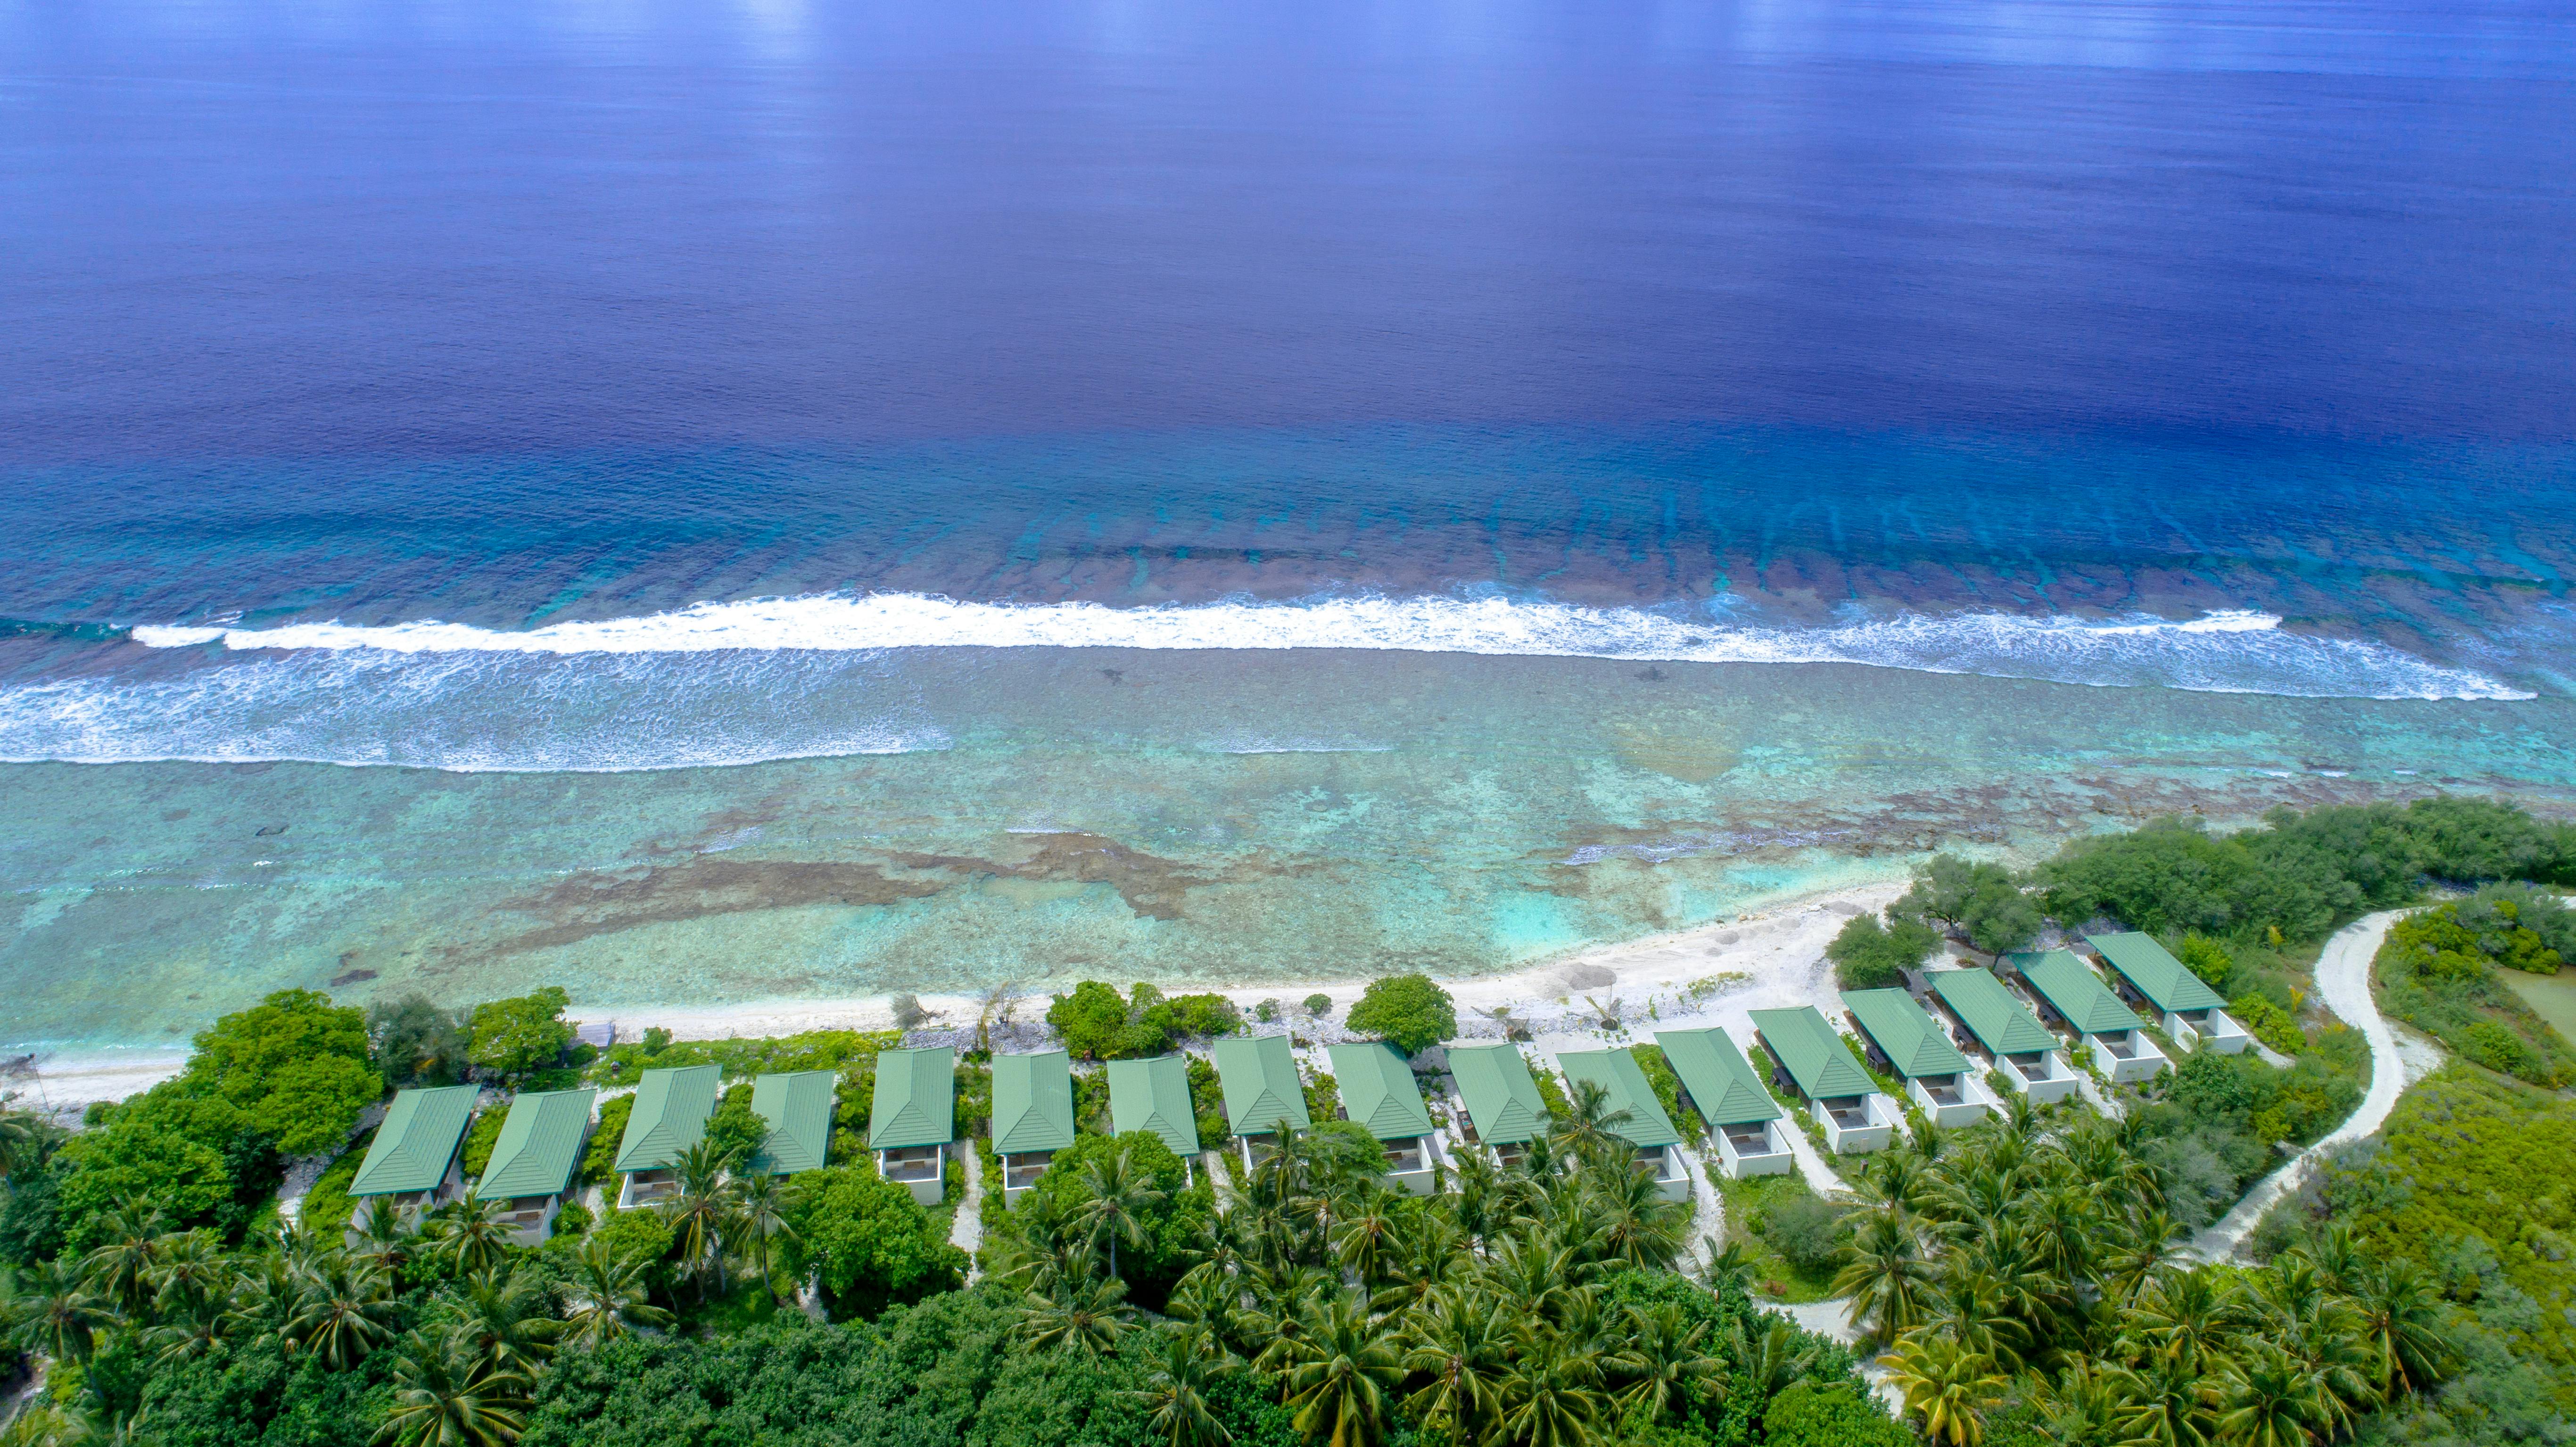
417, 1043
1172, 1226
2268, 1023
481, 1137
2206, 958
1805, 1229
295, 1064
1871, 956
1814, 1415
1409, 1012
599, 1159
1319, 1005
516, 1036
734, 1131
1097, 1024
867, 1240
1980, 901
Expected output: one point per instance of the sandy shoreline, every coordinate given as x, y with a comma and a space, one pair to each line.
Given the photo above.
1762, 958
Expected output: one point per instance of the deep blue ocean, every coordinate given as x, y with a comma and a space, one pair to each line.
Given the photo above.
552, 387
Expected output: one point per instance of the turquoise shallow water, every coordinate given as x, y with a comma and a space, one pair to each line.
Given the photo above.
1161, 815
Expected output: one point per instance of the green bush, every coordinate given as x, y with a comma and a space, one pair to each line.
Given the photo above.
2268, 1023
295, 1064
1814, 1415
2206, 958
869, 1243
417, 1043
1805, 1229
1871, 956
481, 1137
599, 1158
329, 1203
1983, 902
734, 1132
518, 1035
838, 1050
1409, 1012
2437, 972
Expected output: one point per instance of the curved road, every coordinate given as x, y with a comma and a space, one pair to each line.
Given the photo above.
2343, 982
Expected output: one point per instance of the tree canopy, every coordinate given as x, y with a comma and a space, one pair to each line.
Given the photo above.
1409, 1012
296, 1064
519, 1035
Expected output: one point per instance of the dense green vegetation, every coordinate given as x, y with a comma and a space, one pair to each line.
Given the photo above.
2030, 1284
1408, 1012
2025, 1276
2469, 1181
2437, 972
1097, 1023
1870, 956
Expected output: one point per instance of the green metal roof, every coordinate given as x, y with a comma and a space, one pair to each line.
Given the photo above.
797, 1104
916, 1099
1378, 1090
1033, 1101
1618, 1073
540, 1144
1990, 1012
2072, 989
1906, 1033
1813, 1053
671, 1110
1721, 1084
1154, 1095
1501, 1097
1261, 1086
2167, 983
417, 1141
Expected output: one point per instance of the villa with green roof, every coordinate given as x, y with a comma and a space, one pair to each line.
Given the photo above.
1032, 1114
1378, 1093
1720, 1084
1908, 1043
912, 1120
532, 1163
1809, 1053
414, 1158
670, 1117
1499, 1099
1639, 1117
1259, 1078
2193, 1013
2071, 994
2024, 1052
796, 1105
1154, 1095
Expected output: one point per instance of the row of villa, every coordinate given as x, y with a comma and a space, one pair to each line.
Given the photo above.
1497, 1104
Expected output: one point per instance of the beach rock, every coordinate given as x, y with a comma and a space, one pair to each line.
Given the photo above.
1588, 977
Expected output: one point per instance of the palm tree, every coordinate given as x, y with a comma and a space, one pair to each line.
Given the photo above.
1550, 1399
1727, 1269
1459, 1341
1949, 1385
1632, 1222
342, 1312
2399, 1317
1175, 1394
1340, 1368
500, 1317
2188, 1316
2266, 1400
2151, 1246
1365, 1239
1773, 1360
387, 1233
470, 1233
1082, 1315
2164, 1402
701, 1213
191, 1276
445, 1397
57, 1313
1589, 1128
606, 1298
120, 1266
1116, 1194
1667, 1362
1886, 1277
760, 1218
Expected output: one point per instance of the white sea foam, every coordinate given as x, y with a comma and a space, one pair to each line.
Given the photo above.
2225, 652
471, 713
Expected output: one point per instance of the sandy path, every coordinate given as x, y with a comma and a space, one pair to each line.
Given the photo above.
2343, 982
